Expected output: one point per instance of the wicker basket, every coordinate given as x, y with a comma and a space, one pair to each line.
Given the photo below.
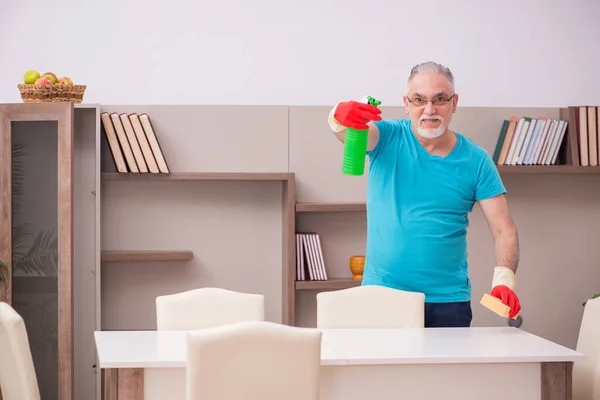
51, 93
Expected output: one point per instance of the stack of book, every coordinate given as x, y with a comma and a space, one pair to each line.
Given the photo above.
586, 140
310, 264
529, 141
133, 143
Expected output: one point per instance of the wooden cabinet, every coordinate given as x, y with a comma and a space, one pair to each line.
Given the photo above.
48, 238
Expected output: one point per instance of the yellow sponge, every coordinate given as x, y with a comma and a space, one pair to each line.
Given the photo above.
496, 305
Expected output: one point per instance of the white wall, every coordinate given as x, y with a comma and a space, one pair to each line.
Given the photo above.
509, 53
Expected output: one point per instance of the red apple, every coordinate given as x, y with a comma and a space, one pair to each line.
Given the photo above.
51, 77
43, 81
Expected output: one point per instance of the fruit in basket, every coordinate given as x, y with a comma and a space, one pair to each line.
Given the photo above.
50, 76
31, 76
48, 88
65, 80
43, 81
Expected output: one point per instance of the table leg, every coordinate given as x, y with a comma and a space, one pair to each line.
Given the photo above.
557, 380
109, 390
124, 384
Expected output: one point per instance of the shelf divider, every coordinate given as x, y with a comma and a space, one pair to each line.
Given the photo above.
146, 255
198, 176
330, 207
330, 284
547, 169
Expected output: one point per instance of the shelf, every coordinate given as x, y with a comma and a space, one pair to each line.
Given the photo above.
146, 255
199, 176
331, 284
547, 169
330, 207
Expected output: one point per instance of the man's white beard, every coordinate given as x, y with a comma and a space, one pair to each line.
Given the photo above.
430, 133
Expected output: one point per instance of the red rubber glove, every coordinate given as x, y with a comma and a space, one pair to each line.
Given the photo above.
508, 297
354, 114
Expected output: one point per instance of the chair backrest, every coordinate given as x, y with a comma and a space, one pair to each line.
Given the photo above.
17, 372
207, 307
254, 360
370, 306
586, 374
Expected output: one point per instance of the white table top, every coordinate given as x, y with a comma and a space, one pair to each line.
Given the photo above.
445, 345
162, 349
167, 349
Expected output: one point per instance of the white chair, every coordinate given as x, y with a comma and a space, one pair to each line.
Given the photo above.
586, 374
207, 307
17, 373
370, 306
253, 360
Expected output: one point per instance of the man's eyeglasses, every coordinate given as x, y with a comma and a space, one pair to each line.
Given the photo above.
436, 101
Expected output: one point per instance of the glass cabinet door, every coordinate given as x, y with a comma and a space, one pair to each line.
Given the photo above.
36, 234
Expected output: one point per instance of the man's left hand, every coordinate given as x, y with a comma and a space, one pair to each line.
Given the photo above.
503, 288
508, 297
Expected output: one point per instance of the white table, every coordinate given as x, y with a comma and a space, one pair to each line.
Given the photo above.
462, 363
150, 365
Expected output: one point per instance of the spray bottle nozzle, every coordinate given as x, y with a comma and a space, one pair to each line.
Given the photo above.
373, 101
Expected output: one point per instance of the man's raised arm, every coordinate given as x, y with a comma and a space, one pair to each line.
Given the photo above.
356, 115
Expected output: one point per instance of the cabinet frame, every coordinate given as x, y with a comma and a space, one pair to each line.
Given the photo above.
63, 114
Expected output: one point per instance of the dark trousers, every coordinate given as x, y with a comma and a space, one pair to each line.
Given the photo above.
448, 315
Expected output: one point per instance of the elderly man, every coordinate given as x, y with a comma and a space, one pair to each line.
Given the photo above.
424, 180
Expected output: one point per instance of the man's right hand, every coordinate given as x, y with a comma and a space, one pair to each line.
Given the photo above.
353, 114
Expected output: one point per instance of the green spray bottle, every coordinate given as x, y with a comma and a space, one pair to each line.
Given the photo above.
355, 147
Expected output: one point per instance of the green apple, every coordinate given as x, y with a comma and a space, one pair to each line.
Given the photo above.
51, 77
31, 76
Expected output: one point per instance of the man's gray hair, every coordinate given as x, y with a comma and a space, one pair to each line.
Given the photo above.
430, 66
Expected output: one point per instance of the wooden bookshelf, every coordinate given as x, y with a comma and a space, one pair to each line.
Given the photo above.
330, 207
198, 176
287, 180
547, 169
330, 284
310, 287
146, 255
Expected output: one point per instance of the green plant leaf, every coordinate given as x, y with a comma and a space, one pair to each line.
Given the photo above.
20, 234
19, 169
3, 267
42, 257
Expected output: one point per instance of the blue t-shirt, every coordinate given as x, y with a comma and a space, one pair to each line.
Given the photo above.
417, 212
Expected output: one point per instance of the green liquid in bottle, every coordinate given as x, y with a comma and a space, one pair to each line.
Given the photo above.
355, 151
355, 148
